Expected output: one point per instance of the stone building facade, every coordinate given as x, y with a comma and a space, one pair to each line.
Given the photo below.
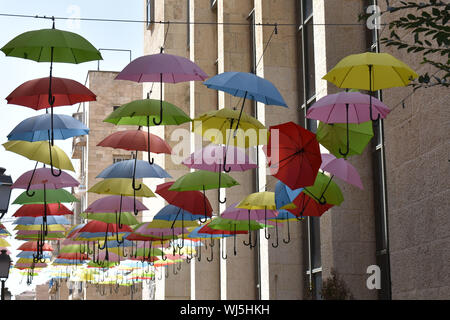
398, 222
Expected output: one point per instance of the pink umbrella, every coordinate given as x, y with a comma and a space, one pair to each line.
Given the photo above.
42, 178
341, 168
115, 204
214, 157
333, 108
347, 107
161, 68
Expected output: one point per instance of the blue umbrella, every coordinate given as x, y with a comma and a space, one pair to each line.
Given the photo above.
38, 128
174, 213
29, 254
127, 169
39, 220
284, 215
285, 195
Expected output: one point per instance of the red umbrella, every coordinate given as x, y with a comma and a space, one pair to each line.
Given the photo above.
34, 93
307, 206
100, 226
136, 140
37, 210
32, 246
73, 256
294, 158
193, 201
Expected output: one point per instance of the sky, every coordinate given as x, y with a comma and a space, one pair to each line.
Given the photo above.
15, 71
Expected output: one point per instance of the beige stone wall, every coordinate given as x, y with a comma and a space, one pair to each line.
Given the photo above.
42, 292
417, 140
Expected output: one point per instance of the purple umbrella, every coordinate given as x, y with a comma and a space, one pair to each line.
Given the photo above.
347, 107
213, 158
161, 68
42, 178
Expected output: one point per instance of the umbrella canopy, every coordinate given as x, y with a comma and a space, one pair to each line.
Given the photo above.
55, 45
144, 112
114, 204
120, 186
295, 159
37, 128
307, 206
161, 67
335, 137
212, 157
36, 179
193, 201
51, 196
39, 151
34, 93
342, 169
4, 243
325, 190
202, 180
173, 213
136, 140
133, 168
284, 195
110, 217
234, 212
36, 210
39, 220
235, 225
386, 72
32, 246
346, 107
217, 125
103, 227
246, 85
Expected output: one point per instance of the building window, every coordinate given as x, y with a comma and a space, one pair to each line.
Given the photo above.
150, 12
118, 158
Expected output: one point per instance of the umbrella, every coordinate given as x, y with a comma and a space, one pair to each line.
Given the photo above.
36, 128
283, 216
161, 68
202, 180
140, 112
40, 151
258, 203
51, 45
120, 186
43, 179
40, 220
284, 195
4, 243
325, 190
32, 246
342, 169
213, 158
370, 71
308, 207
251, 132
295, 159
248, 86
51, 196
34, 93
136, 140
115, 204
330, 109
335, 137
193, 201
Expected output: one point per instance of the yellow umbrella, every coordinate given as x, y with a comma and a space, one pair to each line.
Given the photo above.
120, 186
34, 227
217, 125
370, 71
4, 243
39, 151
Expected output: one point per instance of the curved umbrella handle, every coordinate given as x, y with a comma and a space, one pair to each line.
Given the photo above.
150, 159
218, 189
344, 154
29, 183
212, 255
221, 249
160, 105
276, 228
204, 207
266, 233
370, 96
289, 234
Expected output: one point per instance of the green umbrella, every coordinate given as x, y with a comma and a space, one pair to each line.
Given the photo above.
42, 196
108, 217
72, 248
146, 112
334, 136
203, 180
52, 45
325, 190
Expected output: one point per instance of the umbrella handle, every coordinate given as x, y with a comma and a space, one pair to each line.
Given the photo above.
29, 183
218, 189
289, 234
276, 228
212, 255
370, 96
322, 200
221, 249
160, 105
204, 206
266, 233
348, 137
150, 159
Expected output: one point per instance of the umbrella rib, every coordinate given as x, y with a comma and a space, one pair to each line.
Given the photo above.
340, 86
